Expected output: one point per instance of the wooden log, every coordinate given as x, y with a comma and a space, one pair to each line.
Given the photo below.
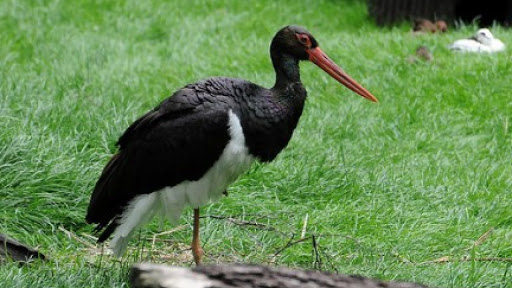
12, 250
147, 275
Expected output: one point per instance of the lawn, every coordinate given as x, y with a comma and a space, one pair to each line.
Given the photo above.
389, 190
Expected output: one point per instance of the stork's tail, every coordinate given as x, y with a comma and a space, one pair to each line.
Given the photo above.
139, 211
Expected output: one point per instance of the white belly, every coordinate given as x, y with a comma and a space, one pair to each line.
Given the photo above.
170, 201
234, 161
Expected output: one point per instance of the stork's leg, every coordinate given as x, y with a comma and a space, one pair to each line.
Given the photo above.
197, 251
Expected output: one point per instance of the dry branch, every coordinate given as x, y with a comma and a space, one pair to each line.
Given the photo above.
481, 239
240, 222
450, 259
304, 226
318, 260
75, 237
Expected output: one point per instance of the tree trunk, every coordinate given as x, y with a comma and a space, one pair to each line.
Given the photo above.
243, 275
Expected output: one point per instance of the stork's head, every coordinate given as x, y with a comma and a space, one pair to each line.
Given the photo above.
300, 44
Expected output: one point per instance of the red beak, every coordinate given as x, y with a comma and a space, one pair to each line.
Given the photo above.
317, 56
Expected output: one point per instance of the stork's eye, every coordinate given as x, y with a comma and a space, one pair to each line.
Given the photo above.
304, 39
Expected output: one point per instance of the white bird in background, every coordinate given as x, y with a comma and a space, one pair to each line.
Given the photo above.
482, 41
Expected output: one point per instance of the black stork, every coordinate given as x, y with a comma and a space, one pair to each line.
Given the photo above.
188, 149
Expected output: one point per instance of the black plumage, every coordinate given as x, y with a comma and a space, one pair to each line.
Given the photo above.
185, 135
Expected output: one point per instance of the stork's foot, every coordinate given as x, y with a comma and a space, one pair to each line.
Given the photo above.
225, 192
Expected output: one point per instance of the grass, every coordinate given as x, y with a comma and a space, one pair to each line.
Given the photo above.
387, 188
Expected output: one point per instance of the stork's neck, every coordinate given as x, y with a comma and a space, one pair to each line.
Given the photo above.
287, 69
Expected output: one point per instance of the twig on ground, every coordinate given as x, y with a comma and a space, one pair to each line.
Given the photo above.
317, 264
93, 238
481, 239
282, 249
329, 259
304, 226
241, 222
290, 243
75, 237
237, 216
450, 259
175, 229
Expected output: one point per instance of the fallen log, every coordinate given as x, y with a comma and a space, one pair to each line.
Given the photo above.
12, 250
147, 275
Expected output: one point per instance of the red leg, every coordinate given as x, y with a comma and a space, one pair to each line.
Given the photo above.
197, 251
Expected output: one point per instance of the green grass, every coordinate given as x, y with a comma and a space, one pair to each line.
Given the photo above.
386, 187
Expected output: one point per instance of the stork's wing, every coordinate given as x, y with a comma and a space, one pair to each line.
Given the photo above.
177, 141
